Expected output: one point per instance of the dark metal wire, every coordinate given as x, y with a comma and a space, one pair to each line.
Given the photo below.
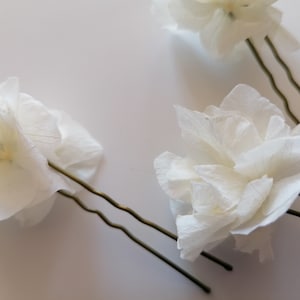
203, 286
130, 211
272, 80
282, 63
274, 85
293, 212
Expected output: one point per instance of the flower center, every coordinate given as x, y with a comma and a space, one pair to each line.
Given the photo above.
231, 6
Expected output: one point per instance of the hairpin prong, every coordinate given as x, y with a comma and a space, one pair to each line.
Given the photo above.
133, 213
282, 63
203, 286
272, 80
293, 212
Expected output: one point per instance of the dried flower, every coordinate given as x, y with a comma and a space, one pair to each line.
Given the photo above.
241, 173
221, 24
31, 134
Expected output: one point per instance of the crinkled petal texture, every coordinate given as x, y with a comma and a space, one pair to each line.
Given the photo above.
221, 24
30, 136
241, 173
78, 152
25, 176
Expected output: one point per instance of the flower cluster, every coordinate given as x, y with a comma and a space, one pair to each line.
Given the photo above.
241, 173
30, 136
221, 24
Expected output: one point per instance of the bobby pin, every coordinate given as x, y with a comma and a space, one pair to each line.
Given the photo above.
272, 80
203, 286
282, 63
130, 211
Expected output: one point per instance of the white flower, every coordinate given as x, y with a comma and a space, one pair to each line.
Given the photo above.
241, 173
25, 177
221, 24
31, 134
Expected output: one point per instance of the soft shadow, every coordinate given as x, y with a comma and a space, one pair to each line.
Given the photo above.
207, 79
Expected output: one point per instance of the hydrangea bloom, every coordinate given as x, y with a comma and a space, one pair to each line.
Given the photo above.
221, 24
241, 173
31, 134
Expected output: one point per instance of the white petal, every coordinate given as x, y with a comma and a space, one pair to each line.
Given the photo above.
174, 175
32, 116
255, 22
29, 135
254, 195
277, 158
282, 196
249, 103
228, 183
38, 124
259, 240
214, 34
180, 207
296, 130
243, 134
199, 134
219, 32
254, 12
277, 128
189, 14
78, 153
207, 199
29, 158
195, 232
25, 173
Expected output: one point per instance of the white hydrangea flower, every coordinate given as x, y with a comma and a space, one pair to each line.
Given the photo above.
31, 134
221, 24
241, 173
25, 177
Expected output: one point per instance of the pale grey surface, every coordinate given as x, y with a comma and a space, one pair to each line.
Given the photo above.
110, 65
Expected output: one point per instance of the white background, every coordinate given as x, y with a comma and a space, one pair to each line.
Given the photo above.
110, 65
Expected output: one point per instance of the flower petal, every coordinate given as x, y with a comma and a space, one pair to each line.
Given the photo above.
174, 174
38, 124
277, 158
195, 232
277, 128
254, 195
245, 163
32, 116
249, 103
189, 14
282, 196
228, 183
221, 24
30, 135
206, 199
199, 133
214, 34
78, 152
243, 133
21, 166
